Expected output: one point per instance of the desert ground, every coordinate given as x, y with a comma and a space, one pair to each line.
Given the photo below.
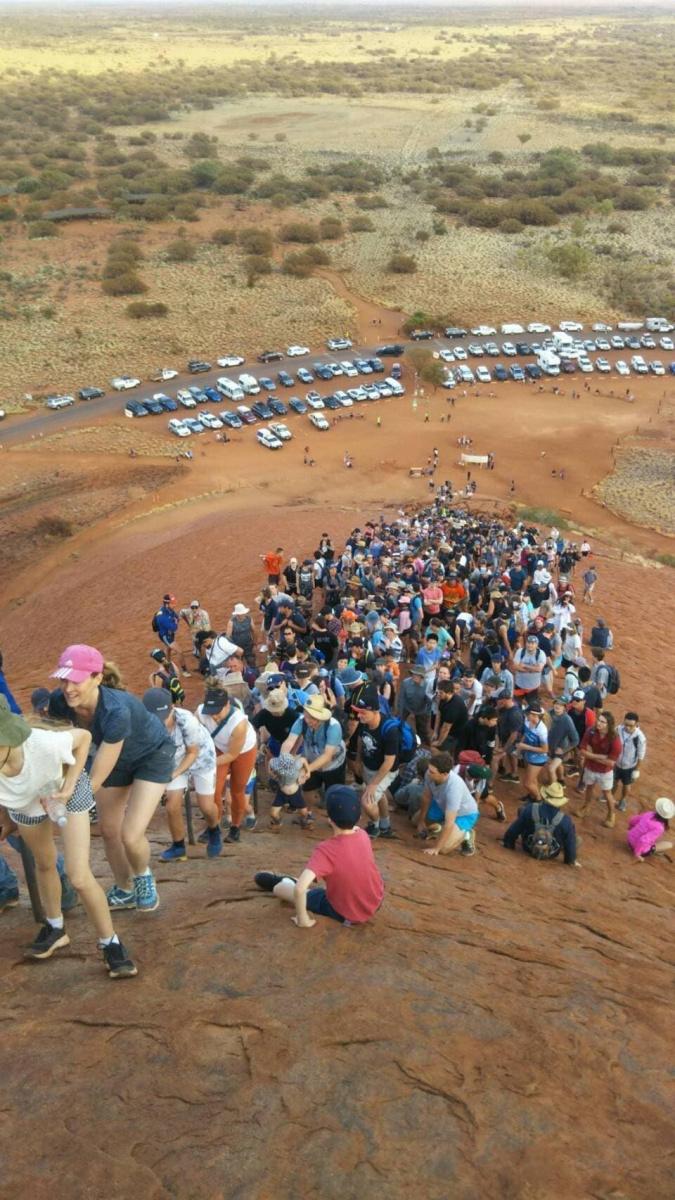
501, 1029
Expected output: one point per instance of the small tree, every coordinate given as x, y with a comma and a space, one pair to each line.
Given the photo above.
257, 242
181, 250
427, 367
361, 225
223, 237
256, 265
299, 231
524, 138
331, 228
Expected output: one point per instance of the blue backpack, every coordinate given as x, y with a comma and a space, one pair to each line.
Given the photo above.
407, 742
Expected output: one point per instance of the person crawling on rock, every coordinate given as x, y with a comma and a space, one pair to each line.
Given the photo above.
354, 888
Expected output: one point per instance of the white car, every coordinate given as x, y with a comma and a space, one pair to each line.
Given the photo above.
538, 327
344, 399
164, 374
339, 344
318, 421
384, 390
268, 440
349, 369
639, 365
656, 367
666, 343
512, 328
449, 382
186, 399
600, 327
446, 356
179, 428
231, 360
483, 375
570, 326
509, 348
601, 364
621, 367
483, 331
60, 401
585, 365
460, 353
280, 431
297, 351
123, 382
314, 400
210, 420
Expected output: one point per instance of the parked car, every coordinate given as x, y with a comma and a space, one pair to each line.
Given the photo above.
454, 331
179, 428
90, 393
446, 356
483, 375
602, 343
523, 348
590, 345
268, 440
491, 348
285, 379
509, 349
262, 410
656, 367
297, 405
297, 351
281, 431
464, 374
621, 367
585, 365
538, 327
517, 373
460, 353
163, 375
304, 375
396, 386
245, 414
335, 369
267, 383
484, 331
617, 342
122, 383
600, 327
134, 408
647, 342
232, 420
376, 364
349, 369
268, 356
363, 366
534, 371
184, 398
666, 343
357, 393
384, 390
500, 372
449, 381
372, 392
249, 384
278, 407
568, 366
212, 394
344, 399
231, 360
570, 326
166, 403
211, 421
197, 366
322, 371
475, 349
421, 335
633, 343
639, 365
601, 364
199, 395
318, 421
195, 425
331, 403
391, 351
314, 400
339, 344
59, 401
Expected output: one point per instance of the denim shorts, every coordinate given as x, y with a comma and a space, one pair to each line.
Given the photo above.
319, 904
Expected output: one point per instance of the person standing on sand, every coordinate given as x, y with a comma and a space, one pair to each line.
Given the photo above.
590, 578
633, 750
197, 620
599, 753
273, 560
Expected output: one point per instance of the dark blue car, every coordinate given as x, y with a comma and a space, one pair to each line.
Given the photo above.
278, 407
500, 372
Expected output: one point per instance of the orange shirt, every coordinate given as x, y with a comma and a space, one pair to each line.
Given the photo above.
273, 563
453, 593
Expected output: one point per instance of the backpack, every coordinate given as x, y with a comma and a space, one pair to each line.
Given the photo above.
543, 843
306, 581
613, 679
599, 637
407, 742
155, 624
175, 689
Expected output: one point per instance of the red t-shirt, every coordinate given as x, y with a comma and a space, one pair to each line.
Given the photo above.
273, 563
353, 883
433, 598
601, 744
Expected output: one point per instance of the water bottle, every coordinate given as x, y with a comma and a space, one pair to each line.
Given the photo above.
55, 808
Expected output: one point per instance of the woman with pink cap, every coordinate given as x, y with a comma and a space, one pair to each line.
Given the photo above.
129, 771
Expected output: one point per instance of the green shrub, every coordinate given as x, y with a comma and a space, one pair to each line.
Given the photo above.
361, 225
256, 265
331, 228
181, 250
138, 309
126, 284
256, 242
570, 259
510, 225
42, 229
299, 231
7, 213
402, 264
224, 237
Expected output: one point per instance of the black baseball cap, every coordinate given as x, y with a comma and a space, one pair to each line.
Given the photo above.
343, 806
214, 702
368, 700
158, 701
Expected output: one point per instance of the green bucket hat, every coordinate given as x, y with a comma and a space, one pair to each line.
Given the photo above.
13, 729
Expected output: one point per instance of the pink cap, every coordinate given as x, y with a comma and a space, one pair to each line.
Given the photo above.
77, 663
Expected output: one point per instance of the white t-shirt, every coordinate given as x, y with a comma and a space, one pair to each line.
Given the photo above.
188, 731
222, 738
452, 795
45, 753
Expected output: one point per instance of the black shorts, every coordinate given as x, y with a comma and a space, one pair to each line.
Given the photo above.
324, 779
624, 774
156, 767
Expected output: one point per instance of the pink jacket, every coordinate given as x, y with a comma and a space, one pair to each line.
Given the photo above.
644, 831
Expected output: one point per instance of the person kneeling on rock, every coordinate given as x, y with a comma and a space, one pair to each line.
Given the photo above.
448, 809
543, 829
354, 888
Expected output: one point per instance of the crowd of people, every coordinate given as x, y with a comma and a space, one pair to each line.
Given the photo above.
426, 668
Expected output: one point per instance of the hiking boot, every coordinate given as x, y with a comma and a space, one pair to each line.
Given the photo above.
147, 896
372, 830
174, 853
468, 845
501, 811
69, 897
215, 843
234, 834
387, 833
267, 880
47, 941
117, 898
251, 821
117, 960
9, 898
508, 778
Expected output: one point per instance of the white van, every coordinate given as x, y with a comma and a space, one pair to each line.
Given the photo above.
629, 326
562, 341
658, 325
549, 362
509, 329
250, 384
396, 386
230, 389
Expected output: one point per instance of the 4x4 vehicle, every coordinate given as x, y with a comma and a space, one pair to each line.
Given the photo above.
270, 356
60, 401
196, 366
392, 351
421, 335
453, 331
90, 393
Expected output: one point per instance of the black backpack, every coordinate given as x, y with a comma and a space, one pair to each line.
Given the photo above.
613, 679
155, 625
543, 843
306, 581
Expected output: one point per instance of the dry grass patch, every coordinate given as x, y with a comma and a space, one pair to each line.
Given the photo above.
641, 488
